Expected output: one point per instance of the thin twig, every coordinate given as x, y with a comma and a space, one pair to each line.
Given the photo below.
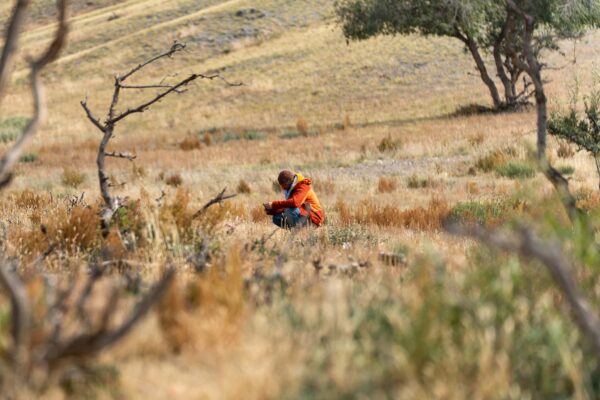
216, 200
127, 156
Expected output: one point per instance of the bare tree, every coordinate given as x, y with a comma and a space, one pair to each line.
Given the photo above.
113, 117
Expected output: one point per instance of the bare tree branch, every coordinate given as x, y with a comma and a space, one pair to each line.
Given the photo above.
143, 107
10, 41
141, 87
176, 47
218, 199
527, 244
91, 343
91, 116
37, 65
127, 156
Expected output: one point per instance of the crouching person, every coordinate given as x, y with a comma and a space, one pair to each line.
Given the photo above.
301, 206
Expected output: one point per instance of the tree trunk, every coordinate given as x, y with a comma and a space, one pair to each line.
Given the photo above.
533, 68
483, 72
109, 207
509, 87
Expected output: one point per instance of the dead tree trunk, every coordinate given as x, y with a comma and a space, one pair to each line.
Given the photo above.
111, 203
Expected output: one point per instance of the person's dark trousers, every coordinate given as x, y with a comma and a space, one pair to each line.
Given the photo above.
290, 218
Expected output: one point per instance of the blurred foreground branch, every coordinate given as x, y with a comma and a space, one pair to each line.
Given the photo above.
527, 244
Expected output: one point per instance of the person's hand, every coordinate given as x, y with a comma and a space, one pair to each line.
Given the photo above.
268, 206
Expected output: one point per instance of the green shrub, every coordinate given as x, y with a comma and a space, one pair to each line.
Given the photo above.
28, 158
515, 170
566, 169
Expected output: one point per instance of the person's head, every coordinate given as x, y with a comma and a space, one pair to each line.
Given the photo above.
286, 179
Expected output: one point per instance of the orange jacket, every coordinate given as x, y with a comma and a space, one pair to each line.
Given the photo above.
301, 196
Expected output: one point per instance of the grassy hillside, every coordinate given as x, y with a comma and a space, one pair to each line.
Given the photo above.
377, 126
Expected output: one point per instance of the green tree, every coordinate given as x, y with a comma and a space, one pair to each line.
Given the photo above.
483, 26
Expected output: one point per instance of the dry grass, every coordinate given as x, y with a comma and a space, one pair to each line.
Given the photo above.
223, 323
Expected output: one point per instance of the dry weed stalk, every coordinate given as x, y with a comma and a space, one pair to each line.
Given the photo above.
113, 117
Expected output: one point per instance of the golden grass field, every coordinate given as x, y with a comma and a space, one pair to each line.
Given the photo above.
374, 124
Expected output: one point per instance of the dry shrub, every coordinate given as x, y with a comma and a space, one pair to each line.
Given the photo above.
565, 150
72, 178
477, 140
243, 187
419, 218
388, 144
472, 188
177, 211
29, 200
415, 182
257, 214
344, 214
207, 139
174, 180
430, 218
72, 231
302, 127
491, 161
386, 185
190, 143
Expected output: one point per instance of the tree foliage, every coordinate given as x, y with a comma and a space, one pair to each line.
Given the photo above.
580, 129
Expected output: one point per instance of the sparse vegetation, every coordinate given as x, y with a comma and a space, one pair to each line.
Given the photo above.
380, 302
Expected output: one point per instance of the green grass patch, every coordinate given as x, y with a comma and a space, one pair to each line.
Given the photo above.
480, 212
11, 128
515, 170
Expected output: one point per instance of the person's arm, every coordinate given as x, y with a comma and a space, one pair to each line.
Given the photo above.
296, 199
